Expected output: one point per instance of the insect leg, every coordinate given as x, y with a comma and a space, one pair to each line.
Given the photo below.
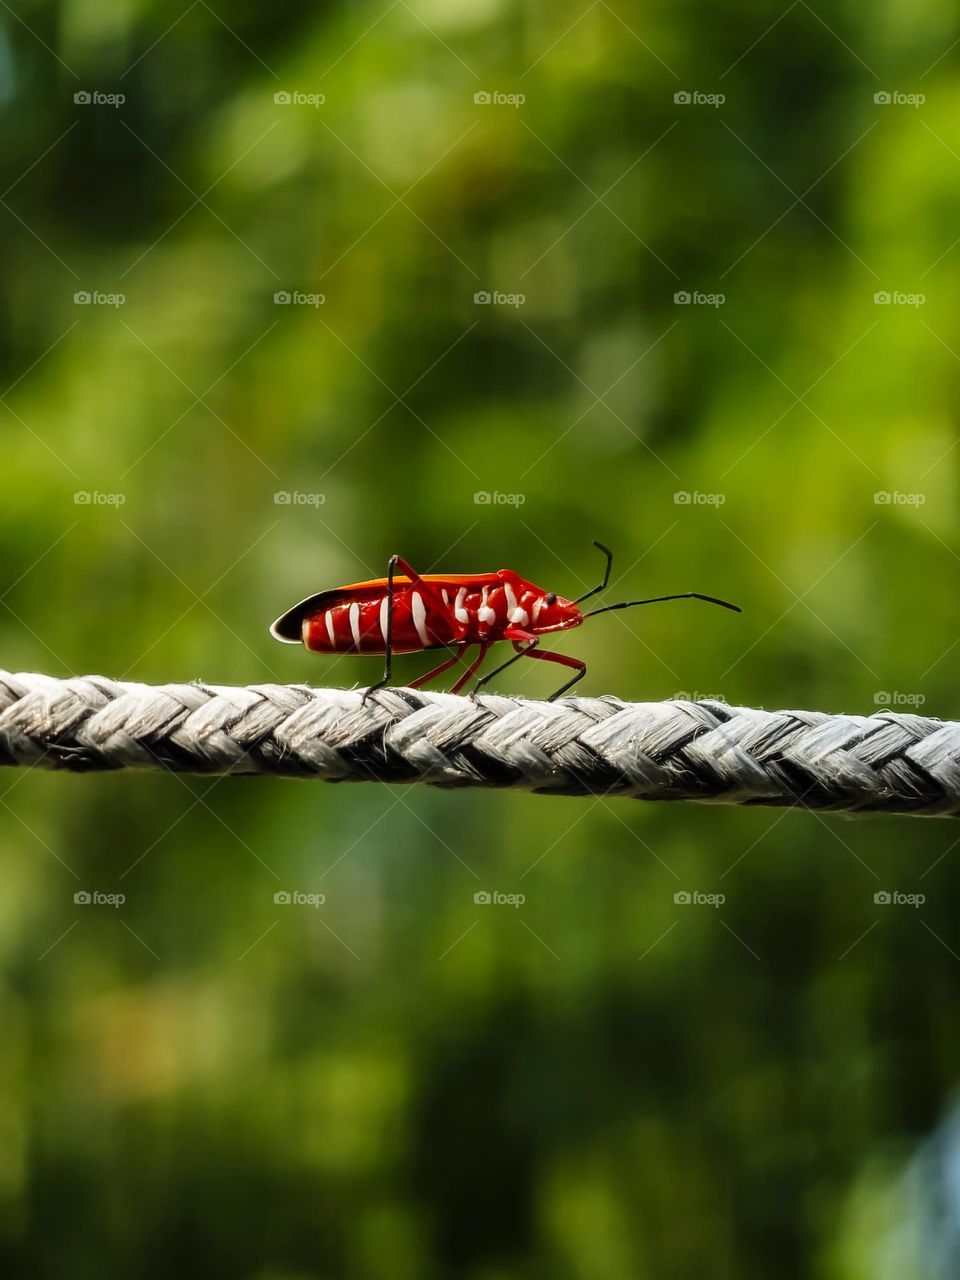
525, 638
564, 660
525, 643
388, 662
432, 599
484, 646
444, 666
414, 577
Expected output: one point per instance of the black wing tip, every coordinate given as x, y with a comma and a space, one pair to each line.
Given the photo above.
288, 629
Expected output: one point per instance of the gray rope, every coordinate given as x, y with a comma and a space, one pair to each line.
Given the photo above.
674, 750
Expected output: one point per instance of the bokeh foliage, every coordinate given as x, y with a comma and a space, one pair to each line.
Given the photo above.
402, 1083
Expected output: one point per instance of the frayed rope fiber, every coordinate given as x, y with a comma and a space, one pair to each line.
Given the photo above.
707, 751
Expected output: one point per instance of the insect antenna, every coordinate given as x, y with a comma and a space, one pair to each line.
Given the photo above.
606, 574
686, 595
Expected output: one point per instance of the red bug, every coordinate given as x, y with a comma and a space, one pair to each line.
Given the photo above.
406, 612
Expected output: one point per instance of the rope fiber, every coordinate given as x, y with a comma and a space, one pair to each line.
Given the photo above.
706, 751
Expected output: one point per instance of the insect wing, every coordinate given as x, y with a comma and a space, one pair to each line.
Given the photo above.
288, 628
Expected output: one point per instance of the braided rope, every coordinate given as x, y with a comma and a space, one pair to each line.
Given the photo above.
706, 751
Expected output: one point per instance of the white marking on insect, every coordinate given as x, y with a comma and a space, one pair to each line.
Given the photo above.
419, 618
459, 612
446, 598
520, 617
537, 606
487, 613
511, 598
331, 634
384, 610
355, 624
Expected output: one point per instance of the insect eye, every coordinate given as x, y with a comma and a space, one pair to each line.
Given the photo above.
550, 598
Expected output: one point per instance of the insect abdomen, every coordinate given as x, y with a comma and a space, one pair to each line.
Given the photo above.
353, 625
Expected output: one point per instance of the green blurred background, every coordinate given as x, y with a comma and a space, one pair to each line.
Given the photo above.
402, 1083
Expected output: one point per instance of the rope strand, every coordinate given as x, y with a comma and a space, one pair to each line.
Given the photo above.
706, 751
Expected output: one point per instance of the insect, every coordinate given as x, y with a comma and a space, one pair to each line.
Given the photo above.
406, 612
